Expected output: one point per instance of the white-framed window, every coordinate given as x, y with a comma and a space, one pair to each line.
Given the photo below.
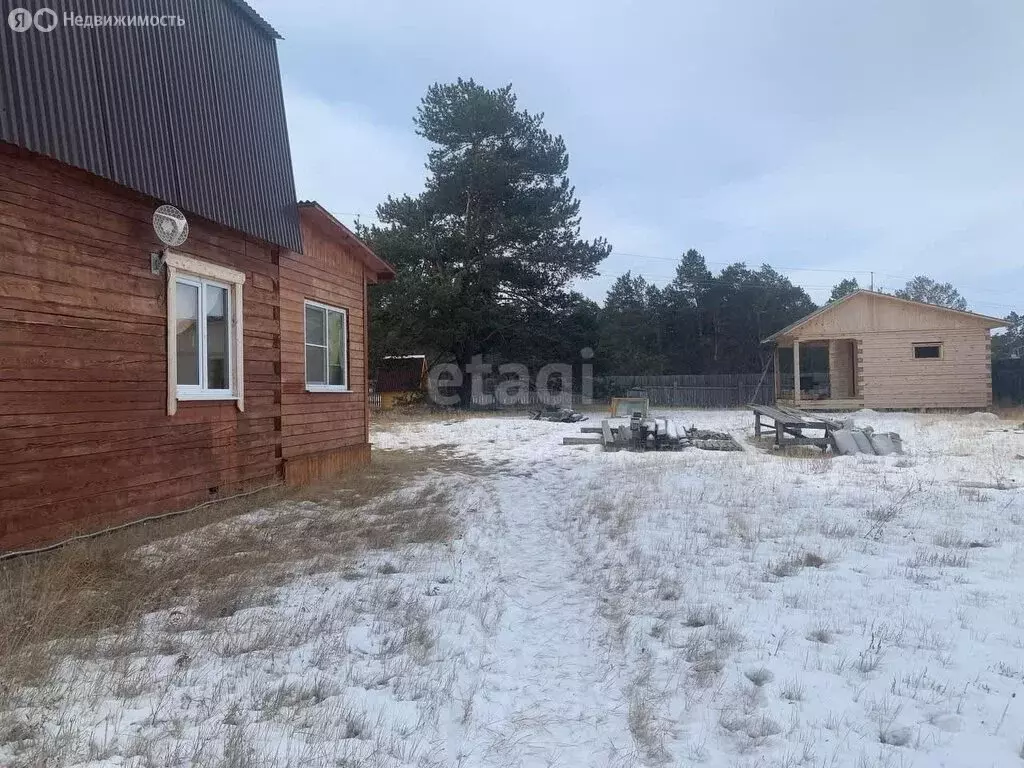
204, 331
203, 338
326, 347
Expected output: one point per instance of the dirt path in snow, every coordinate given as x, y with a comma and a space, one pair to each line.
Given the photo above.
545, 692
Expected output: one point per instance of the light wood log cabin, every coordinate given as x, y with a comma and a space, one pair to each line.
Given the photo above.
872, 350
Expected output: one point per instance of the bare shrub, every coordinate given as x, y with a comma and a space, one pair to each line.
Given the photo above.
780, 569
820, 635
759, 676
298, 693
793, 690
835, 529
814, 560
702, 616
669, 590
644, 726
886, 513
706, 650
758, 728
791, 565
869, 660
931, 558
950, 540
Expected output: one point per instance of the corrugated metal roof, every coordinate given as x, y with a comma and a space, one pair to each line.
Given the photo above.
191, 115
249, 12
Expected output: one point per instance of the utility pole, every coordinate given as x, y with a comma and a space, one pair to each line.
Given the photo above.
872, 281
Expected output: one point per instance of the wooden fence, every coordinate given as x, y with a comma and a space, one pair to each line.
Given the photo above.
533, 402
718, 390
729, 390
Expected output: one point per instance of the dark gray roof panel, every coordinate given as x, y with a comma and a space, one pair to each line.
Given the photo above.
191, 115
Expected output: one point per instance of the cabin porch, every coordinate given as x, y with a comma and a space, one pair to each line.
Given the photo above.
818, 374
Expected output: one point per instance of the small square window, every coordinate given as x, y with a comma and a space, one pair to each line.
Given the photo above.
927, 351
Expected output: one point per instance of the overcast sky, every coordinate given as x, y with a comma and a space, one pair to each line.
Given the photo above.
845, 137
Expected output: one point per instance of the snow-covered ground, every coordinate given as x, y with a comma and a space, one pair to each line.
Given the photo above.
604, 609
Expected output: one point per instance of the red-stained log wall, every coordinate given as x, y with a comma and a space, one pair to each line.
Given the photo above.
322, 432
85, 439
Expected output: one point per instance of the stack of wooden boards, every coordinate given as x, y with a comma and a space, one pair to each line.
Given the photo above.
646, 433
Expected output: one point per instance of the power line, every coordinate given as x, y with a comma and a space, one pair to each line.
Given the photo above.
777, 267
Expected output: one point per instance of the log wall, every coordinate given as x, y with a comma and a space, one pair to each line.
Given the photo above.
85, 439
322, 433
893, 378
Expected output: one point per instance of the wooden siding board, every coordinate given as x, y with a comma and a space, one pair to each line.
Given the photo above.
320, 422
84, 434
893, 378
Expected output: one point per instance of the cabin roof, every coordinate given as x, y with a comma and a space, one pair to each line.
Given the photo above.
992, 322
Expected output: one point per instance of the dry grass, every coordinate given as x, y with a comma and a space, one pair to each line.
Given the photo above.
137, 617
214, 560
793, 690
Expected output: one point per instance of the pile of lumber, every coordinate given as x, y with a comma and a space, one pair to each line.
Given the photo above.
792, 427
554, 413
644, 433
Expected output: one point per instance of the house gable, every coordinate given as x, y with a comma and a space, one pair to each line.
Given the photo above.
866, 312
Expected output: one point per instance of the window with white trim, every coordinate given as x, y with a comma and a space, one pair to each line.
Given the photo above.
204, 331
326, 335
203, 337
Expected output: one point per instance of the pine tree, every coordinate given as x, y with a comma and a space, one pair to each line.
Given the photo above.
487, 251
925, 289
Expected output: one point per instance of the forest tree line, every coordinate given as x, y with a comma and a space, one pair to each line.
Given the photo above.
487, 254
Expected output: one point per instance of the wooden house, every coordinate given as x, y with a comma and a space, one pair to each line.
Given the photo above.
873, 350
325, 410
137, 379
401, 380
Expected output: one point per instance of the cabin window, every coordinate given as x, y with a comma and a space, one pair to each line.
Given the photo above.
326, 348
928, 351
204, 331
203, 338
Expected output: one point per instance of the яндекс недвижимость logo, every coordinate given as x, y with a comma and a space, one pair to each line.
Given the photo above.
46, 20
22, 19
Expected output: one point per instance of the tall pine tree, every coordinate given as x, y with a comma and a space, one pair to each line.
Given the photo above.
487, 251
